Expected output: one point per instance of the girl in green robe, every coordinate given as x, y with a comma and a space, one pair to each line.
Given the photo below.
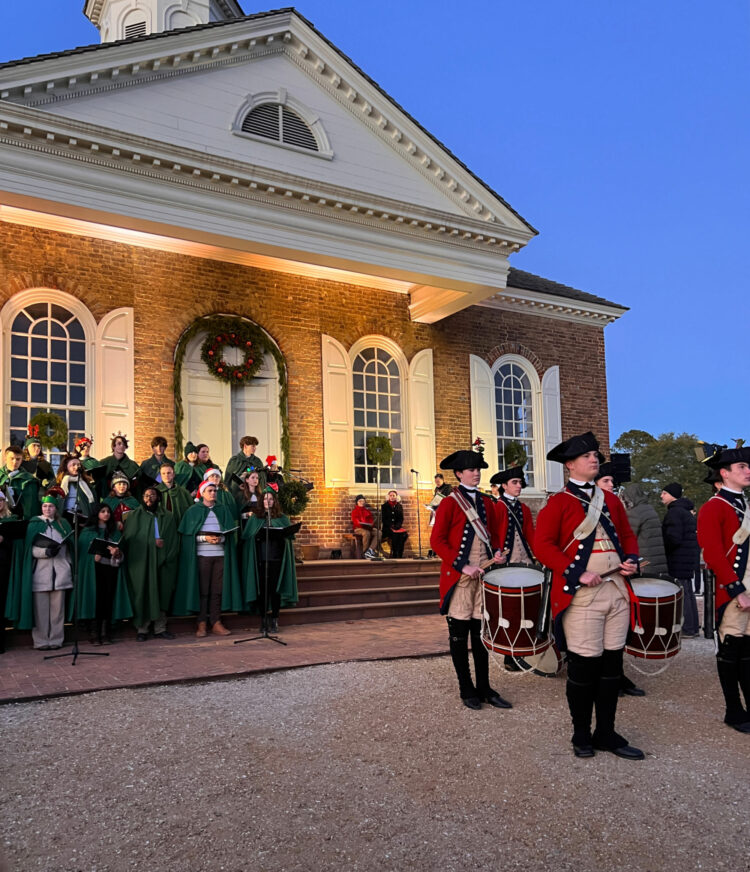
282, 574
102, 593
75, 488
193, 531
120, 500
11, 557
188, 472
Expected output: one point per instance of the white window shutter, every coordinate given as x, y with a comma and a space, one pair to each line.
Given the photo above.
422, 418
115, 382
338, 414
483, 418
552, 425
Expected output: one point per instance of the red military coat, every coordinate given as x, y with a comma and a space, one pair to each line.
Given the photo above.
451, 540
556, 548
506, 526
717, 522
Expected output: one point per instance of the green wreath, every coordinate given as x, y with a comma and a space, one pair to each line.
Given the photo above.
52, 430
293, 498
211, 353
379, 450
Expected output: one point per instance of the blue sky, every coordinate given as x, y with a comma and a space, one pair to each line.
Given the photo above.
619, 130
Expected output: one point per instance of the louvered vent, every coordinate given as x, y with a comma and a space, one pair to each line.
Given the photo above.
137, 29
276, 122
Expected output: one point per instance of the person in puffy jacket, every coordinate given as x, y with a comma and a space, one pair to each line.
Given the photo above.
683, 551
646, 525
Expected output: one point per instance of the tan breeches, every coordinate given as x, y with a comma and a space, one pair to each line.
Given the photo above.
598, 617
466, 602
734, 622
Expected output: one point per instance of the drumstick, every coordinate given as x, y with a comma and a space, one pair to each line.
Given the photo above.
486, 563
641, 563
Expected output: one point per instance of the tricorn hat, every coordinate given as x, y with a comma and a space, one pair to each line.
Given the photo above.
727, 456
461, 460
574, 447
605, 468
505, 475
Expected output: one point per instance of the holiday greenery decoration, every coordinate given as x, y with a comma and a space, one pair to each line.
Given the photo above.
224, 326
514, 455
379, 450
51, 430
242, 338
293, 498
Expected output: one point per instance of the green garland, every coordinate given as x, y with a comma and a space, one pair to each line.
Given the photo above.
220, 325
293, 498
53, 431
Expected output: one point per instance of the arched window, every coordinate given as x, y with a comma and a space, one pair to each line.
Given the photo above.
515, 412
49, 356
378, 411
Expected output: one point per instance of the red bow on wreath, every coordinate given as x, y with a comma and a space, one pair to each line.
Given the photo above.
33, 429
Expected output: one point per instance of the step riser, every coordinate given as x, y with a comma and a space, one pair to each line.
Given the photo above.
340, 599
316, 568
312, 585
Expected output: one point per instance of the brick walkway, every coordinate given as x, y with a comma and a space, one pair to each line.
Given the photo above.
26, 675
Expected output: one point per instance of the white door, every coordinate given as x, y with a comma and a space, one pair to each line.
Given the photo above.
219, 414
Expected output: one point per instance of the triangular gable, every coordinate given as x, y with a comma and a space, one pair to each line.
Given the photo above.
186, 87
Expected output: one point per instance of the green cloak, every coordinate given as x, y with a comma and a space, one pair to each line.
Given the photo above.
252, 578
150, 571
89, 463
86, 589
113, 502
224, 498
188, 476
25, 489
187, 597
20, 603
111, 465
179, 500
16, 562
239, 463
151, 466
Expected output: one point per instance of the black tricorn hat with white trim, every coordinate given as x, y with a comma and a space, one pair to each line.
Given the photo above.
574, 447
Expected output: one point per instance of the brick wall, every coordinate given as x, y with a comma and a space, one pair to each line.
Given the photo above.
168, 291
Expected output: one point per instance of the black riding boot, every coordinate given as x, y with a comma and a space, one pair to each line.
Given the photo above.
605, 702
458, 634
583, 678
745, 671
482, 668
729, 666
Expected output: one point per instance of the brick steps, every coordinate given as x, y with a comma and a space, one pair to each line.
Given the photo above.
398, 594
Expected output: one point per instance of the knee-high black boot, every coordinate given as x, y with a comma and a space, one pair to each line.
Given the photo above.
605, 703
744, 671
583, 678
482, 668
729, 665
458, 634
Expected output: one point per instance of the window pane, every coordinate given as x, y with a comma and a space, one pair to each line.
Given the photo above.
38, 310
58, 330
57, 372
77, 396
370, 382
372, 419
383, 420
39, 370
359, 456
58, 350
39, 348
19, 368
359, 475
359, 437
77, 374
359, 419
41, 328
58, 395
21, 323
78, 351
19, 345
18, 392
38, 393
17, 416
75, 331
60, 314
367, 354
76, 420
359, 382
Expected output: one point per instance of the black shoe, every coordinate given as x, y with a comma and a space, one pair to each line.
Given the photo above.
165, 635
472, 702
627, 752
142, 637
633, 691
274, 625
584, 750
496, 701
743, 727
511, 665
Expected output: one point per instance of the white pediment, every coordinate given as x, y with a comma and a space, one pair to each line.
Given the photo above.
186, 89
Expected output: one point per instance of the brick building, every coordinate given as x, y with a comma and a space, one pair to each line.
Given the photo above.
200, 162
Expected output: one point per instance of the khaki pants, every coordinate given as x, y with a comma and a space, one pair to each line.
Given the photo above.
49, 618
369, 538
466, 602
734, 622
598, 617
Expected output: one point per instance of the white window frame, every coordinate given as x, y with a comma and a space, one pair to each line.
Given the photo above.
281, 97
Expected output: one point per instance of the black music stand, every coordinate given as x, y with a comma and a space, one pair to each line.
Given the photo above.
75, 652
264, 634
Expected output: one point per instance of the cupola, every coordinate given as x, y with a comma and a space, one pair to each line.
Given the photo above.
125, 19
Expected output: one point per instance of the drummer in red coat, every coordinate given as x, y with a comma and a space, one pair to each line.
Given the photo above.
465, 535
516, 526
581, 534
723, 531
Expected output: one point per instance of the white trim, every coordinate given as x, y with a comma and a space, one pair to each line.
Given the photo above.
281, 97
28, 297
550, 306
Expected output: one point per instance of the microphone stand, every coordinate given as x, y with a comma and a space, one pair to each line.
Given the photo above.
419, 526
264, 633
75, 653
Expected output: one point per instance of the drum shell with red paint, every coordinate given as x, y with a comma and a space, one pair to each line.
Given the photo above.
513, 596
660, 605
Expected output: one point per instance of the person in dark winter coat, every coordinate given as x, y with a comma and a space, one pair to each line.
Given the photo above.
683, 552
646, 525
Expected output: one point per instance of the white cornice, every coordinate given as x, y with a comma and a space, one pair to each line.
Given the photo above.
53, 80
549, 306
77, 141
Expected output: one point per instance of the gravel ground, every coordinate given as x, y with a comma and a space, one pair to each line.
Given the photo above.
372, 766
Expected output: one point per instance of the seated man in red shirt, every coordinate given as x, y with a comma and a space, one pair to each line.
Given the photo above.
363, 525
